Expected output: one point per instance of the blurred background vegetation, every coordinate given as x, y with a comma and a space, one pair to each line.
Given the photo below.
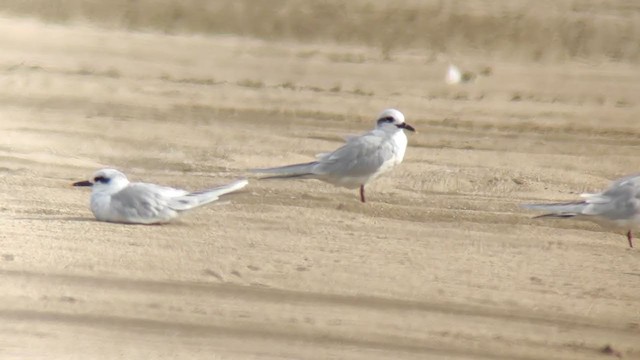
516, 29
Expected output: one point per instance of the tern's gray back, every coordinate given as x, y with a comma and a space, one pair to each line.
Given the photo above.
360, 156
618, 202
143, 202
633, 179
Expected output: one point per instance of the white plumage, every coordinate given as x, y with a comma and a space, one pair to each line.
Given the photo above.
362, 159
617, 207
115, 199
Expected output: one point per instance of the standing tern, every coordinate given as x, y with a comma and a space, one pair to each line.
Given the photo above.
617, 207
115, 199
359, 161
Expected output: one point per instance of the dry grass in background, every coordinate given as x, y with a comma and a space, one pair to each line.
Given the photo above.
540, 30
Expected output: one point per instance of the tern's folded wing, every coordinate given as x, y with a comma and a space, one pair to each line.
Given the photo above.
619, 202
198, 198
360, 156
141, 202
633, 180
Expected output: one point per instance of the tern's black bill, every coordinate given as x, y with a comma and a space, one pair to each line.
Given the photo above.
406, 127
83, 183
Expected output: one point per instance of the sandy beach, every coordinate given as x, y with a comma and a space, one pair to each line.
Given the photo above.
440, 263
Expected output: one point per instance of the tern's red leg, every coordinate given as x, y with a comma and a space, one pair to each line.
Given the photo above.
362, 193
630, 238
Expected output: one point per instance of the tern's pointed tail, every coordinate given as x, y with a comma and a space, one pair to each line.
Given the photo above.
562, 210
203, 197
289, 171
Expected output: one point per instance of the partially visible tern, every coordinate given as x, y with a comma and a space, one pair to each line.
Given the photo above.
617, 207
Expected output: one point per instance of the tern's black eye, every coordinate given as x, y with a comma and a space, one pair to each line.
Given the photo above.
101, 179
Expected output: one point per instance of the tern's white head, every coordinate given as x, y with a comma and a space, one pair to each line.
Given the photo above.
108, 181
392, 119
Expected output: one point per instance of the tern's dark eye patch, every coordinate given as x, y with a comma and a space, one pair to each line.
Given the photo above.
386, 119
101, 179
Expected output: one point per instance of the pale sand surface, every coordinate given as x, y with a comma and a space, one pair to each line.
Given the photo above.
441, 263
